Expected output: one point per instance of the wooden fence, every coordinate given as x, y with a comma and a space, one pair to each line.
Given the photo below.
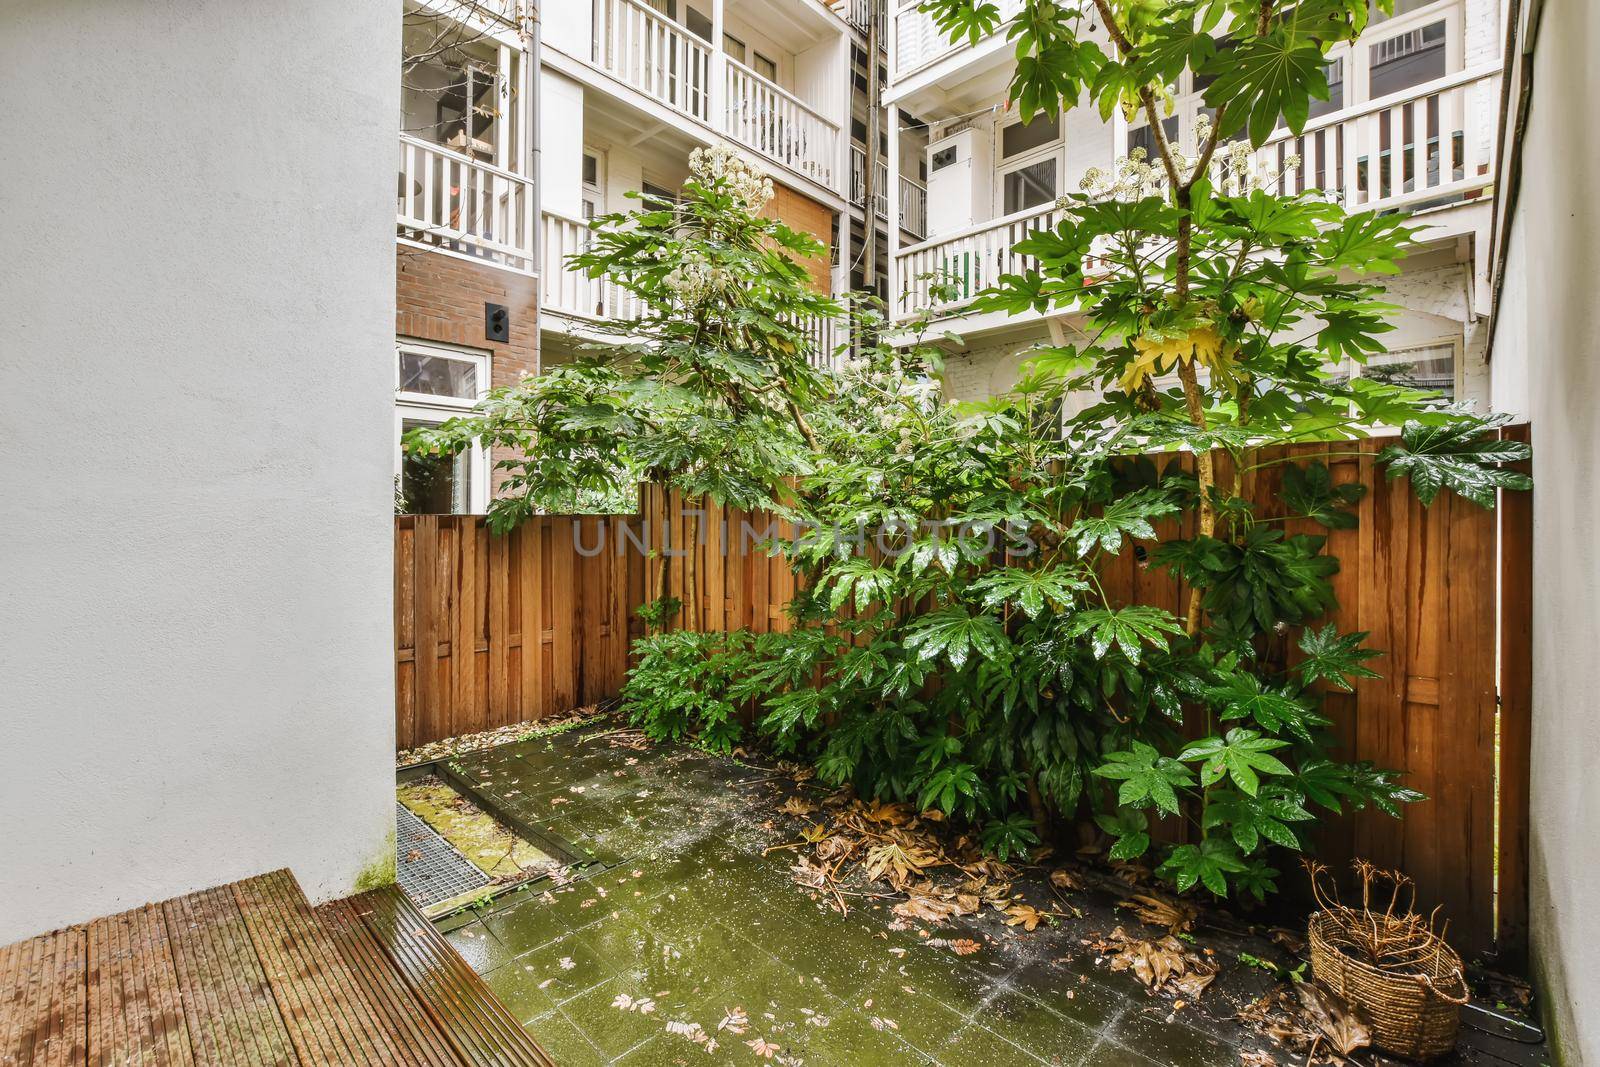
1424, 582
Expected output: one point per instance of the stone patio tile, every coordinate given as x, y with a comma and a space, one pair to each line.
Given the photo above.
1052, 1037
1153, 1031
565, 1042
974, 1044
564, 968
612, 1030
476, 944
535, 919
916, 1018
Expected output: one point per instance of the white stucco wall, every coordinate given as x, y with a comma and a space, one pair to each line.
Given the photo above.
196, 346
1544, 366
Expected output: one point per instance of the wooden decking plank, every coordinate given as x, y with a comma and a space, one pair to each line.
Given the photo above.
231, 1015
329, 1020
43, 1007
135, 1009
482, 1030
409, 1025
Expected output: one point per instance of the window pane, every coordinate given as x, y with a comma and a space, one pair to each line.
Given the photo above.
1143, 137
1031, 186
1407, 59
765, 67
1026, 136
1335, 101
434, 485
438, 376
1419, 368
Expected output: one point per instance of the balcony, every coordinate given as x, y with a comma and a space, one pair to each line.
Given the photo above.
918, 43
1426, 147
452, 203
660, 58
571, 294
777, 124
913, 194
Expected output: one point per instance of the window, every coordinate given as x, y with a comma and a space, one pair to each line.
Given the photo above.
1020, 138
1030, 163
1431, 367
767, 68
1407, 59
733, 46
434, 383
1143, 137
1029, 186
1335, 101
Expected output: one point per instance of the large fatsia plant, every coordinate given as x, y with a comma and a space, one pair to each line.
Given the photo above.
971, 659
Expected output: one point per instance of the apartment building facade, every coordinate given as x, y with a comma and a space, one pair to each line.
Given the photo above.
522, 121
630, 87
1410, 123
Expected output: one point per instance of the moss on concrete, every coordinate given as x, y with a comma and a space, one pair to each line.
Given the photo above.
381, 871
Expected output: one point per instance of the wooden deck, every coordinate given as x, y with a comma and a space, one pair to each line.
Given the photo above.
248, 974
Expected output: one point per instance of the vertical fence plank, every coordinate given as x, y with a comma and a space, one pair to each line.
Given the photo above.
1516, 714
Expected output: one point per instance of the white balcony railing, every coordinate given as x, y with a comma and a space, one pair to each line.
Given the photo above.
779, 125
1430, 145
913, 194
966, 262
1430, 142
573, 293
913, 206
642, 48
918, 42
859, 14
459, 205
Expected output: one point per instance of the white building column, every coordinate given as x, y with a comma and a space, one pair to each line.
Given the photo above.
719, 73
893, 198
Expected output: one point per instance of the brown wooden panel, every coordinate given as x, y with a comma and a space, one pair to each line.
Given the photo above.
1516, 713
228, 1007
1419, 580
135, 1011
328, 1019
43, 1002
477, 1025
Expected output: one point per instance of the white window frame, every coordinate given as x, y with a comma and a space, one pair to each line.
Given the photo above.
1056, 150
427, 407
1400, 354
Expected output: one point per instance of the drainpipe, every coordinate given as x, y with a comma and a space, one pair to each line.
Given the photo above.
529, 27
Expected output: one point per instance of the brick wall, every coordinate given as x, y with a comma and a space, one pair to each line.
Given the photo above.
802, 213
441, 298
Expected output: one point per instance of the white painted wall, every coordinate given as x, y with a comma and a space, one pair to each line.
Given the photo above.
1544, 366
560, 144
196, 345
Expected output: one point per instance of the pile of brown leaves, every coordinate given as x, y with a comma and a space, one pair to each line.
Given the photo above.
872, 849
1162, 965
500, 735
1313, 1021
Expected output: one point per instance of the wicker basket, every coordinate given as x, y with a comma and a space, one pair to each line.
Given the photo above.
1415, 1015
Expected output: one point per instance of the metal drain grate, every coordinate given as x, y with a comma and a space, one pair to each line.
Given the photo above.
438, 872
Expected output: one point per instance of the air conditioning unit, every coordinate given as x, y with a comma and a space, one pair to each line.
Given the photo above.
960, 178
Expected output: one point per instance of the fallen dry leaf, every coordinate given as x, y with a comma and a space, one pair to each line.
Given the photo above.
797, 805
1062, 878
1341, 1024
1175, 915
1024, 915
763, 1048
925, 908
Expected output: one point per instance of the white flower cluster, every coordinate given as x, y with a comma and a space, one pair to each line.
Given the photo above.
694, 283
1236, 170
748, 185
